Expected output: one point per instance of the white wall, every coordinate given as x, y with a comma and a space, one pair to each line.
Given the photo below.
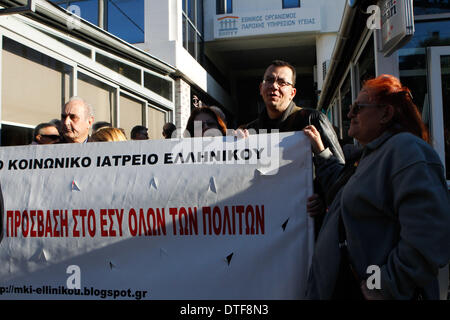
163, 35
324, 48
330, 12
164, 40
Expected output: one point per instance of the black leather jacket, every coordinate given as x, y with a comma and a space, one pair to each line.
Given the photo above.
295, 118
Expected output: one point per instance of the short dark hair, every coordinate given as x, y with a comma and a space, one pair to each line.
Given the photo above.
42, 126
136, 130
281, 63
168, 129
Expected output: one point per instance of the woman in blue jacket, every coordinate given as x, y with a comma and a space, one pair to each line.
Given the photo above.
387, 229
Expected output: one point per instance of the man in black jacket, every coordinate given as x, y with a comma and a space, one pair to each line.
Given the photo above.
278, 90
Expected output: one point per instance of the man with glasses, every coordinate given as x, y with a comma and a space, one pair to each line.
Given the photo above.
45, 133
278, 90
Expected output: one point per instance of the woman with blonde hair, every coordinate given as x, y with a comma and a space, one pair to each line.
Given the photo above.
108, 134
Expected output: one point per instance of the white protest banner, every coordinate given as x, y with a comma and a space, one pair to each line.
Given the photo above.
210, 218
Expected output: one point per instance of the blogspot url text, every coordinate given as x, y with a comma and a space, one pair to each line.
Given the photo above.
87, 292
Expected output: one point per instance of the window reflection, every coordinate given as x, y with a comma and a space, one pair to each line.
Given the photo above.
193, 27
120, 67
291, 4
88, 8
431, 33
126, 19
224, 6
413, 74
123, 18
160, 86
366, 64
431, 6
445, 78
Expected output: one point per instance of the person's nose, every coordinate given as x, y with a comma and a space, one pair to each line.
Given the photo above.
66, 121
350, 113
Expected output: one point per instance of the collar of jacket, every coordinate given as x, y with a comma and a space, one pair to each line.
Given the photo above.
264, 117
375, 144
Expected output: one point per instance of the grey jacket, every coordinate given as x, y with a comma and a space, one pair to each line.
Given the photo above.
396, 213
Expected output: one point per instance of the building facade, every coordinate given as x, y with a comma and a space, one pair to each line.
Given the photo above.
49, 55
220, 48
422, 64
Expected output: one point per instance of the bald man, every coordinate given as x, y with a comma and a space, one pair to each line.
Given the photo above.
76, 119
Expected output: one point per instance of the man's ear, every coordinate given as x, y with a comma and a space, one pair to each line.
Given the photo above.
294, 91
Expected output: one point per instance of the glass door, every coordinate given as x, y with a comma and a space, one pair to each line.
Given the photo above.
439, 88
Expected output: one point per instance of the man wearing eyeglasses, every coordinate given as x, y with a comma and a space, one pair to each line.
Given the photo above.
45, 133
278, 91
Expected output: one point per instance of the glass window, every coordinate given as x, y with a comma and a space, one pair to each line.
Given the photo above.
224, 6
16, 135
445, 78
88, 9
200, 16
123, 18
131, 111
413, 74
430, 33
431, 6
155, 120
126, 19
185, 45
291, 4
193, 28
159, 85
346, 101
124, 69
191, 41
26, 98
100, 95
191, 9
366, 64
83, 50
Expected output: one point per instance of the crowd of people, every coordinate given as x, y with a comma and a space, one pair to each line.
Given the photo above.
77, 119
385, 203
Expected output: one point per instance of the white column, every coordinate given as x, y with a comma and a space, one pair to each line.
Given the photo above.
182, 104
385, 65
324, 49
